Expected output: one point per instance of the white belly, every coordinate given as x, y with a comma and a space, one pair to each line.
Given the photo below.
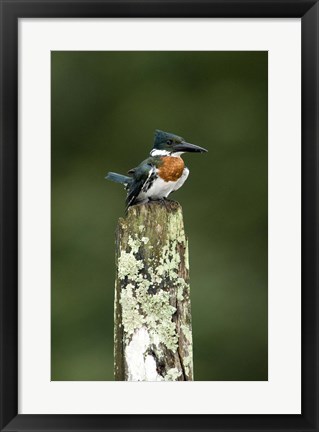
182, 179
161, 189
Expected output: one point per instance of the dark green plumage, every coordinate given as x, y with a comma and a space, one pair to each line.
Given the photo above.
166, 140
150, 161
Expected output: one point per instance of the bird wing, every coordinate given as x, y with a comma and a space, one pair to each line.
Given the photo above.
141, 177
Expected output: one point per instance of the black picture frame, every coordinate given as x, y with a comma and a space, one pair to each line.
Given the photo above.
11, 11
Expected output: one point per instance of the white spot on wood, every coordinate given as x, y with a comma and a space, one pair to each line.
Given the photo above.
141, 366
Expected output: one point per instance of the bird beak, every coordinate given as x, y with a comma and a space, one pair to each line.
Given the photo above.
187, 147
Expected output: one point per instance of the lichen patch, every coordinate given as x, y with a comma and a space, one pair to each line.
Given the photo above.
172, 374
151, 291
128, 266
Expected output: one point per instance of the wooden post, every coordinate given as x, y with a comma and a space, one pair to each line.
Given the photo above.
153, 334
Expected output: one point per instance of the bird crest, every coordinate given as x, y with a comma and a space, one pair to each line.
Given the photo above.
162, 139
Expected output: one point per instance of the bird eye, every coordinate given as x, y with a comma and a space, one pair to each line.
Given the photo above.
169, 142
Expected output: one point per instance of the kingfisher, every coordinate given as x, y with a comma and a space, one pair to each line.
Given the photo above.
162, 173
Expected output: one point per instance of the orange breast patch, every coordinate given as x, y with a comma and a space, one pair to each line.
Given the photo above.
171, 169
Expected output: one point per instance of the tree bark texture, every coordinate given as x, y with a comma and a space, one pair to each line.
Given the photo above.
153, 334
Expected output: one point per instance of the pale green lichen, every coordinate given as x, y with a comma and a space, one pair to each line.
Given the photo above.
188, 363
153, 310
172, 374
128, 266
187, 332
139, 305
180, 293
115, 333
131, 317
186, 256
134, 244
176, 228
182, 288
188, 360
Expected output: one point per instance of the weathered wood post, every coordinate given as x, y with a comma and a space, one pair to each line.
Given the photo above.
153, 334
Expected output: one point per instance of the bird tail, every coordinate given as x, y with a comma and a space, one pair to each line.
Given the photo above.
119, 178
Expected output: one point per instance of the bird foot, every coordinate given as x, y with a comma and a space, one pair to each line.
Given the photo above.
166, 202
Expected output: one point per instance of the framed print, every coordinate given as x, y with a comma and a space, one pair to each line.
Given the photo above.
84, 86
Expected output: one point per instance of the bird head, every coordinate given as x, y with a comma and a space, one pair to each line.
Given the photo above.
166, 143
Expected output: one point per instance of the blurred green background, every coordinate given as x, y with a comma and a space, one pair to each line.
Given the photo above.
105, 108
